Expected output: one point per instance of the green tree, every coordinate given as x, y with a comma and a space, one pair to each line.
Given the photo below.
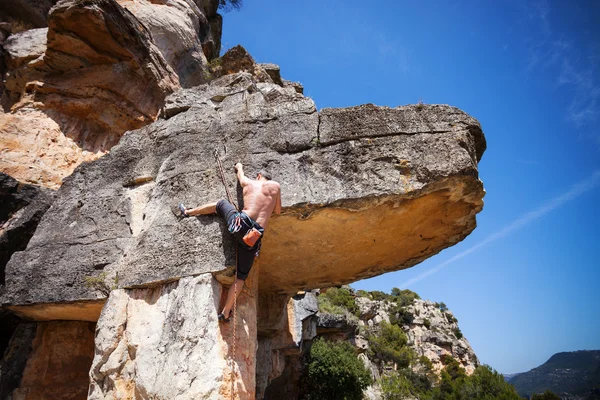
547, 395
379, 295
483, 384
487, 384
333, 371
336, 301
390, 345
404, 383
404, 297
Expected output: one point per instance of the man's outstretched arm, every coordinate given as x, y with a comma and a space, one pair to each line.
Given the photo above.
239, 168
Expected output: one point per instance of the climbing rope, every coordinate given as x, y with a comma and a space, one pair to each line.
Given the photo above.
220, 166
232, 360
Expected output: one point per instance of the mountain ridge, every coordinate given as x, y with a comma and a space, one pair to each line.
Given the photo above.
573, 374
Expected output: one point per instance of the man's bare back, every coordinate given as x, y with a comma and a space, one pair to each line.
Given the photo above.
262, 197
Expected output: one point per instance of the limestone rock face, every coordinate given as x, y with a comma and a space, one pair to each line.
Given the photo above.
21, 208
34, 149
57, 367
421, 184
93, 74
112, 76
365, 190
177, 28
435, 333
166, 343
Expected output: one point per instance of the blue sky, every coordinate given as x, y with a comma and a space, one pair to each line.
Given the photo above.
525, 284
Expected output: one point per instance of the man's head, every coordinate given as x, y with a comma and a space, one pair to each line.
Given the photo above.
264, 175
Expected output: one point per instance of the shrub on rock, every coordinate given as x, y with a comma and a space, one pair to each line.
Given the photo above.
333, 371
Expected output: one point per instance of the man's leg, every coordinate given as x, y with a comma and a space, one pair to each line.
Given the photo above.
245, 258
205, 209
234, 291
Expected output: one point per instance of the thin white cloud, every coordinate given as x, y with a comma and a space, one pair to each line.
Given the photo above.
576, 73
392, 53
554, 203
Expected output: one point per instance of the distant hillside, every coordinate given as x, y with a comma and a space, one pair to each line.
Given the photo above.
571, 375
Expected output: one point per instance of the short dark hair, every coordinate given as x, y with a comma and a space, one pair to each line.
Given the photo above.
265, 174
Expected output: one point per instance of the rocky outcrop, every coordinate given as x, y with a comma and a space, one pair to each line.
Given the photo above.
119, 208
97, 71
179, 29
21, 209
354, 180
14, 355
166, 343
61, 355
432, 332
435, 333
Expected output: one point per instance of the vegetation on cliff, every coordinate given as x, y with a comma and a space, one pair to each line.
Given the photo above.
390, 323
333, 371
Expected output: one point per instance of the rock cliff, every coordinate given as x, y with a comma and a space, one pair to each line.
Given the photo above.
365, 190
431, 329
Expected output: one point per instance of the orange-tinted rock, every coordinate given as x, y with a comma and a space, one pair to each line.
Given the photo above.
33, 149
96, 76
59, 362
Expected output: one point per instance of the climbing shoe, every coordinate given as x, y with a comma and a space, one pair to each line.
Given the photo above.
182, 209
223, 319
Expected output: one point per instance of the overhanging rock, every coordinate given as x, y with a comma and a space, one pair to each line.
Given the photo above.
365, 190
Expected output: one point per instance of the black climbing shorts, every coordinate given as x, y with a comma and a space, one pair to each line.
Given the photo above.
238, 224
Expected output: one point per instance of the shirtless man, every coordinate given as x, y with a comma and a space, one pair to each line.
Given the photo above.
262, 197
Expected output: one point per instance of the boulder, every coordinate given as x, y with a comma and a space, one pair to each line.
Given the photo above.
24, 56
273, 71
301, 308
25, 46
422, 186
95, 74
358, 199
237, 59
177, 28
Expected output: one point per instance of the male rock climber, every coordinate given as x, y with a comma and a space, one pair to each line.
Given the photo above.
262, 197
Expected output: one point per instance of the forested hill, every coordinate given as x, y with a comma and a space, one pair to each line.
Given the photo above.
568, 374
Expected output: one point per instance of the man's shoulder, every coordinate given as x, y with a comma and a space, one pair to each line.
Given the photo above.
273, 184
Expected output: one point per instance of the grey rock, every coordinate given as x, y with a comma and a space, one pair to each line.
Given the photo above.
21, 208
116, 214
178, 29
297, 86
273, 71
338, 326
362, 121
367, 308
25, 46
305, 307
